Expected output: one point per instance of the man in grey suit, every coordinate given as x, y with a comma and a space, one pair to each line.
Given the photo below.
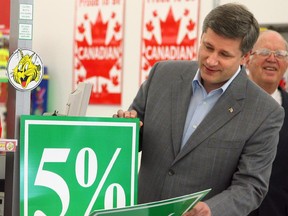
206, 125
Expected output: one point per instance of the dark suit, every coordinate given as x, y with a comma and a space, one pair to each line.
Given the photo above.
276, 201
231, 151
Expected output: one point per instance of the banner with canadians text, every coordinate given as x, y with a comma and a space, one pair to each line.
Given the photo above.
98, 48
169, 31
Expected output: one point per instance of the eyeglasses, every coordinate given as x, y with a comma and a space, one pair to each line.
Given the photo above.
279, 54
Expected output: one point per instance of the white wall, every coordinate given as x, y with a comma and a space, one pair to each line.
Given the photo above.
266, 11
53, 41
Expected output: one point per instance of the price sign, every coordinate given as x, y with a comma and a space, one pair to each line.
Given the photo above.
75, 165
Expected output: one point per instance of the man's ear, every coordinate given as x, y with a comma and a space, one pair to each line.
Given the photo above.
246, 58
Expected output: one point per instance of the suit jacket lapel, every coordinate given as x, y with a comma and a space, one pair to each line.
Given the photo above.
228, 105
181, 95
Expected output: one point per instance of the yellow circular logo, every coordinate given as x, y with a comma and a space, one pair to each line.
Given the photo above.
10, 146
25, 70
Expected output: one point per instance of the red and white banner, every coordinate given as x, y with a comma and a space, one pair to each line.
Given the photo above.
5, 17
169, 31
98, 48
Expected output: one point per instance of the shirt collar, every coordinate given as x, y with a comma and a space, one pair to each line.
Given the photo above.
197, 80
277, 96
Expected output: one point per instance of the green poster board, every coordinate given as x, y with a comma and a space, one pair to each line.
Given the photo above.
171, 207
75, 165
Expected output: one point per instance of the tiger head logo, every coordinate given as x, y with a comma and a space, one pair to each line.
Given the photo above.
25, 70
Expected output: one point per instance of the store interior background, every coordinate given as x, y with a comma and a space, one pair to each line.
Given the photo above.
53, 40
53, 35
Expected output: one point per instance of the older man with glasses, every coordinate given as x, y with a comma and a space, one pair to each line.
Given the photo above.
267, 65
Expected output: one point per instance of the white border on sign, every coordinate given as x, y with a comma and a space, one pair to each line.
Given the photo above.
78, 123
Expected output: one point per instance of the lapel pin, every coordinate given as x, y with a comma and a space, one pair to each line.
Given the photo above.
231, 109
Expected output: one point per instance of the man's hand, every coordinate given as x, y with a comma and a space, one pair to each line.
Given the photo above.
127, 114
200, 209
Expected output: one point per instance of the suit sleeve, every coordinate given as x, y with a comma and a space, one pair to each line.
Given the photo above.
249, 183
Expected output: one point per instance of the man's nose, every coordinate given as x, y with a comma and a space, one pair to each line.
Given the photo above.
213, 60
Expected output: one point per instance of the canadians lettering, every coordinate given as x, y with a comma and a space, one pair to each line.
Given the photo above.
99, 53
169, 52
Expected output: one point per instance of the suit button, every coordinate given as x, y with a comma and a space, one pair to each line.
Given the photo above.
171, 172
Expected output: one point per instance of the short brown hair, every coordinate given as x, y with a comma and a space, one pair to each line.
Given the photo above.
233, 21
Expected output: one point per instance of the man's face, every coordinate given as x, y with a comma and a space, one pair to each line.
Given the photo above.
267, 70
219, 58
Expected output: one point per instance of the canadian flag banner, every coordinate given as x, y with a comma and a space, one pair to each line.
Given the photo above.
169, 31
98, 48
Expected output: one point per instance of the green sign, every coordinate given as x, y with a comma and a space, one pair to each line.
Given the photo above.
75, 165
171, 207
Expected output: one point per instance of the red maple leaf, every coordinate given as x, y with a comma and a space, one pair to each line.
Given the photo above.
104, 88
78, 66
155, 14
80, 79
115, 80
118, 66
98, 58
186, 12
169, 33
149, 26
146, 66
191, 25
81, 29
168, 29
117, 27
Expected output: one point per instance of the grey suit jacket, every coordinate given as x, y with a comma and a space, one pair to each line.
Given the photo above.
230, 152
